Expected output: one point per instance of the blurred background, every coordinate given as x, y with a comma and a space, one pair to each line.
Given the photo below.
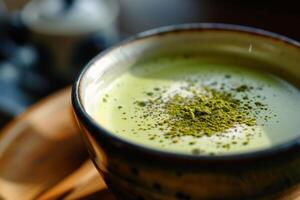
44, 43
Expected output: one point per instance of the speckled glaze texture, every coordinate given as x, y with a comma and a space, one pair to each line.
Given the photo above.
134, 172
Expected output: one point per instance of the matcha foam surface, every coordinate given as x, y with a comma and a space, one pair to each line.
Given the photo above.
263, 109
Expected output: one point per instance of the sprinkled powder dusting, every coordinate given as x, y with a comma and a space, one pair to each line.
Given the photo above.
202, 111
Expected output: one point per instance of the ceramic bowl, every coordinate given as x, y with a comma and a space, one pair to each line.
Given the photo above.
132, 171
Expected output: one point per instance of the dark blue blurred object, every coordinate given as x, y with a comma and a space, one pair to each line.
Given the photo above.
68, 4
28, 70
22, 82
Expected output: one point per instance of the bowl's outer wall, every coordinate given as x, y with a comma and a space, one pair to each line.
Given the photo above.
137, 180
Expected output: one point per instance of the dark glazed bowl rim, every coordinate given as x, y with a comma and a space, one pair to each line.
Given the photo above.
287, 149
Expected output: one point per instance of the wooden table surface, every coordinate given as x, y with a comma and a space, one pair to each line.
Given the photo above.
42, 157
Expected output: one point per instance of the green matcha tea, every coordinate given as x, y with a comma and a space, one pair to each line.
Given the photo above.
191, 106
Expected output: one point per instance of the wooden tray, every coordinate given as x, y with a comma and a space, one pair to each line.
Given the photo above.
42, 157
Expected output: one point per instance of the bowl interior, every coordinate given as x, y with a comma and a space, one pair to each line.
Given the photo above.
254, 48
